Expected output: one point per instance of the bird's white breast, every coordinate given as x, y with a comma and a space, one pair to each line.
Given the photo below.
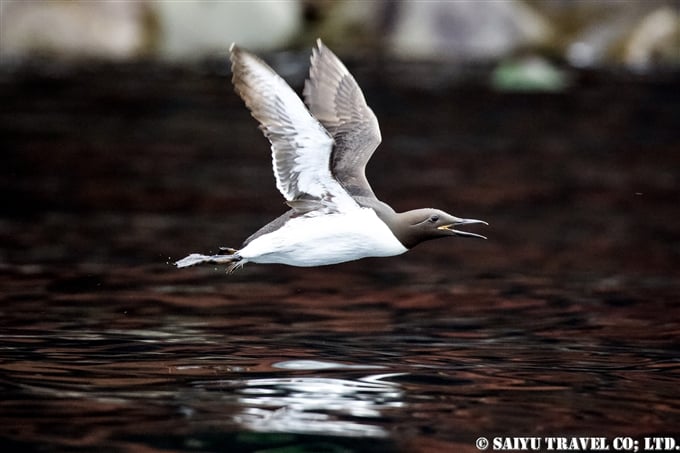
325, 239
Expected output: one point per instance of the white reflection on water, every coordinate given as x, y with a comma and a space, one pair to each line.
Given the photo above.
321, 365
315, 405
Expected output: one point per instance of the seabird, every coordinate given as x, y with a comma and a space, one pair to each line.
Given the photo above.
319, 155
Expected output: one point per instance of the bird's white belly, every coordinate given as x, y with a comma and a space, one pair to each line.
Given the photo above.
325, 239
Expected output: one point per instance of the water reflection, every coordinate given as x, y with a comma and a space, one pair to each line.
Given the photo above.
125, 369
313, 405
321, 365
316, 405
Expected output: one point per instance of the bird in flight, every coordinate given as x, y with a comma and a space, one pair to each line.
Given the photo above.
319, 154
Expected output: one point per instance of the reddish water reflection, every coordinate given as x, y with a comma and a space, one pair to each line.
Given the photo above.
123, 366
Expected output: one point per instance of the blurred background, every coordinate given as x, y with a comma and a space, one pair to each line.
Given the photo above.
639, 34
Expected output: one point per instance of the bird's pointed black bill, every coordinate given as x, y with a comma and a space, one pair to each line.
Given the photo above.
459, 222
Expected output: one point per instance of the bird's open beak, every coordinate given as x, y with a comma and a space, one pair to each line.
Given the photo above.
450, 228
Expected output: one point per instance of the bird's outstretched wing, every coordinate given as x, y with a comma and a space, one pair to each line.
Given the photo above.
301, 147
335, 99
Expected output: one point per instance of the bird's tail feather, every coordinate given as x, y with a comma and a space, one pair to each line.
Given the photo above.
234, 260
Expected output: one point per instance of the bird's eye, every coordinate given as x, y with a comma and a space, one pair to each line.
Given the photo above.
434, 218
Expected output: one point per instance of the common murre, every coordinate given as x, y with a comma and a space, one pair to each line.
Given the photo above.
319, 155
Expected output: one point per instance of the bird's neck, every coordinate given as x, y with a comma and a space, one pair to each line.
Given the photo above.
396, 221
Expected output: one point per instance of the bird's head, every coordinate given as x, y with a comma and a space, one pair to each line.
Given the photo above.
424, 224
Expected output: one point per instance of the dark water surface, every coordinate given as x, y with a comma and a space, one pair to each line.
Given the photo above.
564, 323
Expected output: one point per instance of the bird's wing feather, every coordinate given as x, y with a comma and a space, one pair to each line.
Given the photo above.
301, 147
335, 99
